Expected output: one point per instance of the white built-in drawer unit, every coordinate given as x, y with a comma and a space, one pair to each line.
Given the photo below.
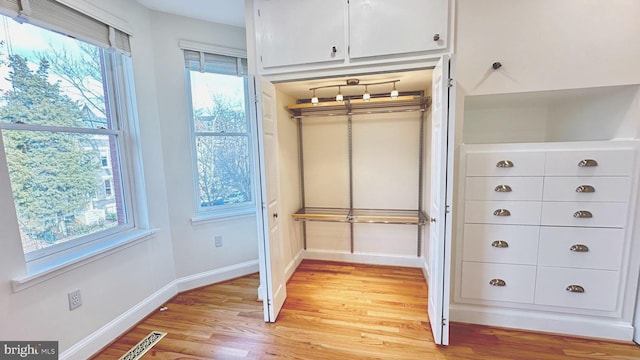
586, 188
505, 163
503, 212
504, 188
545, 228
584, 248
577, 288
499, 282
506, 244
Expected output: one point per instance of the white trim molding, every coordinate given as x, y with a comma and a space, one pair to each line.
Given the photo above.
373, 259
212, 49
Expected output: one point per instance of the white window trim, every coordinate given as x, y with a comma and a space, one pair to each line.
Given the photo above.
212, 49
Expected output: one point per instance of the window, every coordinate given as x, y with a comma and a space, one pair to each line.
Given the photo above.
63, 121
221, 133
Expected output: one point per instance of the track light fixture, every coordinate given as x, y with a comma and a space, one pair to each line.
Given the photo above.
366, 96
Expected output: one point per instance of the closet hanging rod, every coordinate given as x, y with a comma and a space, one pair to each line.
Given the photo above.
359, 106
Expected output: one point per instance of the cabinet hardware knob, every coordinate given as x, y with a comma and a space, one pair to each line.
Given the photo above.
500, 244
587, 163
575, 289
504, 164
334, 49
582, 214
579, 248
436, 37
502, 212
275, 215
432, 220
497, 282
496, 65
585, 189
503, 188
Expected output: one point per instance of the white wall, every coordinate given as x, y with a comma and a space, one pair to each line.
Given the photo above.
194, 249
113, 284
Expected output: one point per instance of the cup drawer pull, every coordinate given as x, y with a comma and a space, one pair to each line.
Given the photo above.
497, 282
503, 188
502, 212
579, 248
500, 244
505, 164
575, 289
587, 163
582, 214
585, 189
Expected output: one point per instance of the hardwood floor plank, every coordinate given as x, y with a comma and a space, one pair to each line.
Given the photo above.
339, 311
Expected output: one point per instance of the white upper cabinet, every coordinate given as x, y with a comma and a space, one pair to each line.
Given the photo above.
382, 27
301, 35
300, 32
546, 45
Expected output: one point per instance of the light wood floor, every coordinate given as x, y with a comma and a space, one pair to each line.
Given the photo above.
339, 311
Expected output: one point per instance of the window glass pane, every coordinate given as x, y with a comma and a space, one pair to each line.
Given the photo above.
58, 185
50, 79
224, 172
218, 103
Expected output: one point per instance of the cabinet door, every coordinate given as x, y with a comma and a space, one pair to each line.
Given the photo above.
382, 27
300, 32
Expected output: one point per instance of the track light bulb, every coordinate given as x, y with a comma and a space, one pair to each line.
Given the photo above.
314, 99
366, 96
394, 92
339, 96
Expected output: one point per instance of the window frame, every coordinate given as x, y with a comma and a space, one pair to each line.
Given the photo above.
205, 213
119, 93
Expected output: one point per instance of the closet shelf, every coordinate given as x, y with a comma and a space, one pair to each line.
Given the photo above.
405, 103
373, 216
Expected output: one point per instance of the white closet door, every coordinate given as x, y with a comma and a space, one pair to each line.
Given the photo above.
442, 136
272, 267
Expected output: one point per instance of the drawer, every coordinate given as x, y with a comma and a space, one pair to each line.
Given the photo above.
507, 244
514, 212
503, 188
589, 188
600, 288
522, 163
603, 214
617, 162
517, 282
587, 248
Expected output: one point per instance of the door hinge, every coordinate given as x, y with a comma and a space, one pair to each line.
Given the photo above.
258, 12
450, 82
443, 322
447, 209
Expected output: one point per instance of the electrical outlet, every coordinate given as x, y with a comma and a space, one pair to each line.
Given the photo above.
75, 301
218, 239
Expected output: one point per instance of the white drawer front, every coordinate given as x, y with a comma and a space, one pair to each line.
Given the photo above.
513, 212
609, 163
507, 244
523, 163
603, 214
615, 189
503, 188
518, 281
587, 248
600, 288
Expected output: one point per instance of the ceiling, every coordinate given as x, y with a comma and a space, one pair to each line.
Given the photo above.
229, 12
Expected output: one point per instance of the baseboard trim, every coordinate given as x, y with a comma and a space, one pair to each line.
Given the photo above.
551, 323
425, 270
215, 276
373, 259
293, 265
102, 337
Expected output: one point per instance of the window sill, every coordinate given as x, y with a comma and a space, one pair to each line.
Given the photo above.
61, 264
228, 215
